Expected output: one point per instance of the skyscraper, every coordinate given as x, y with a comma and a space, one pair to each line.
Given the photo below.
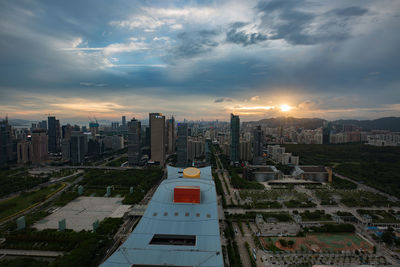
258, 138
123, 125
171, 135
6, 142
235, 145
58, 135
157, 136
77, 146
134, 132
182, 145
52, 134
39, 146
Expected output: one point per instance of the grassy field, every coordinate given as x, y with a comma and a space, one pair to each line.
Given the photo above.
25, 200
318, 243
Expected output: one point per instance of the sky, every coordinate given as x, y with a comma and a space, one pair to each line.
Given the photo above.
199, 59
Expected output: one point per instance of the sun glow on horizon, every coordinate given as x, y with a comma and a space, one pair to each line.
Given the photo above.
285, 108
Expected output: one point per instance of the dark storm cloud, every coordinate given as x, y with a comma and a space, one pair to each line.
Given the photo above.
328, 48
194, 43
296, 26
243, 38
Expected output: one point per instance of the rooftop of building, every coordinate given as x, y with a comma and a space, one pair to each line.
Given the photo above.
313, 168
175, 234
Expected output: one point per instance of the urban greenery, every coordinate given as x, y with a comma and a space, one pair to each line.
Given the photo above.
375, 166
18, 180
25, 200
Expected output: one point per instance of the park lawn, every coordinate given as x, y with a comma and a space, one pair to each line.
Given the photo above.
25, 200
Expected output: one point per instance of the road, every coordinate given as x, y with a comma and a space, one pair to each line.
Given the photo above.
38, 253
38, 206
225, 180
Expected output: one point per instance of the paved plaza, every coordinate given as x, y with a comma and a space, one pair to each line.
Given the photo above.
83, 211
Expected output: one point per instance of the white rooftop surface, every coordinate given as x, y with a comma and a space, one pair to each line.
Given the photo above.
164, 217
81, 213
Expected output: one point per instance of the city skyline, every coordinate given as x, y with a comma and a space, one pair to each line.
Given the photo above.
199, 60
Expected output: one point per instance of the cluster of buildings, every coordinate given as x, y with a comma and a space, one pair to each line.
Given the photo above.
164, 137
278, 154
48, 140
239, 145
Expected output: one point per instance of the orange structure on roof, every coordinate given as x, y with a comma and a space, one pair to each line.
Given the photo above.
187, 194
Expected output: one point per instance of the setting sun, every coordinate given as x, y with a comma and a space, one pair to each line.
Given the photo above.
285, 108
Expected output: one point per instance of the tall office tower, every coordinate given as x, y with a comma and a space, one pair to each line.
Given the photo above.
157, 136
58, 135
235, 145
134, 133
258, 138
39, 146
171, 135
182, 145
66, 131
65, 149
52, 134
123, 125
147, 136
77, 147
6, 142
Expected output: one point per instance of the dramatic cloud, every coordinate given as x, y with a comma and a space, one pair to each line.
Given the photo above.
196, 59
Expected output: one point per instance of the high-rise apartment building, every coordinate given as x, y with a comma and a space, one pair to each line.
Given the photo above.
235, 145
182, 145
134, 133
171, 135
157, 137
39, 146
24, 152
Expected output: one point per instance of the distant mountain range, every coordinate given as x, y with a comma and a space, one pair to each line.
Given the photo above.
307, 123
387, 123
